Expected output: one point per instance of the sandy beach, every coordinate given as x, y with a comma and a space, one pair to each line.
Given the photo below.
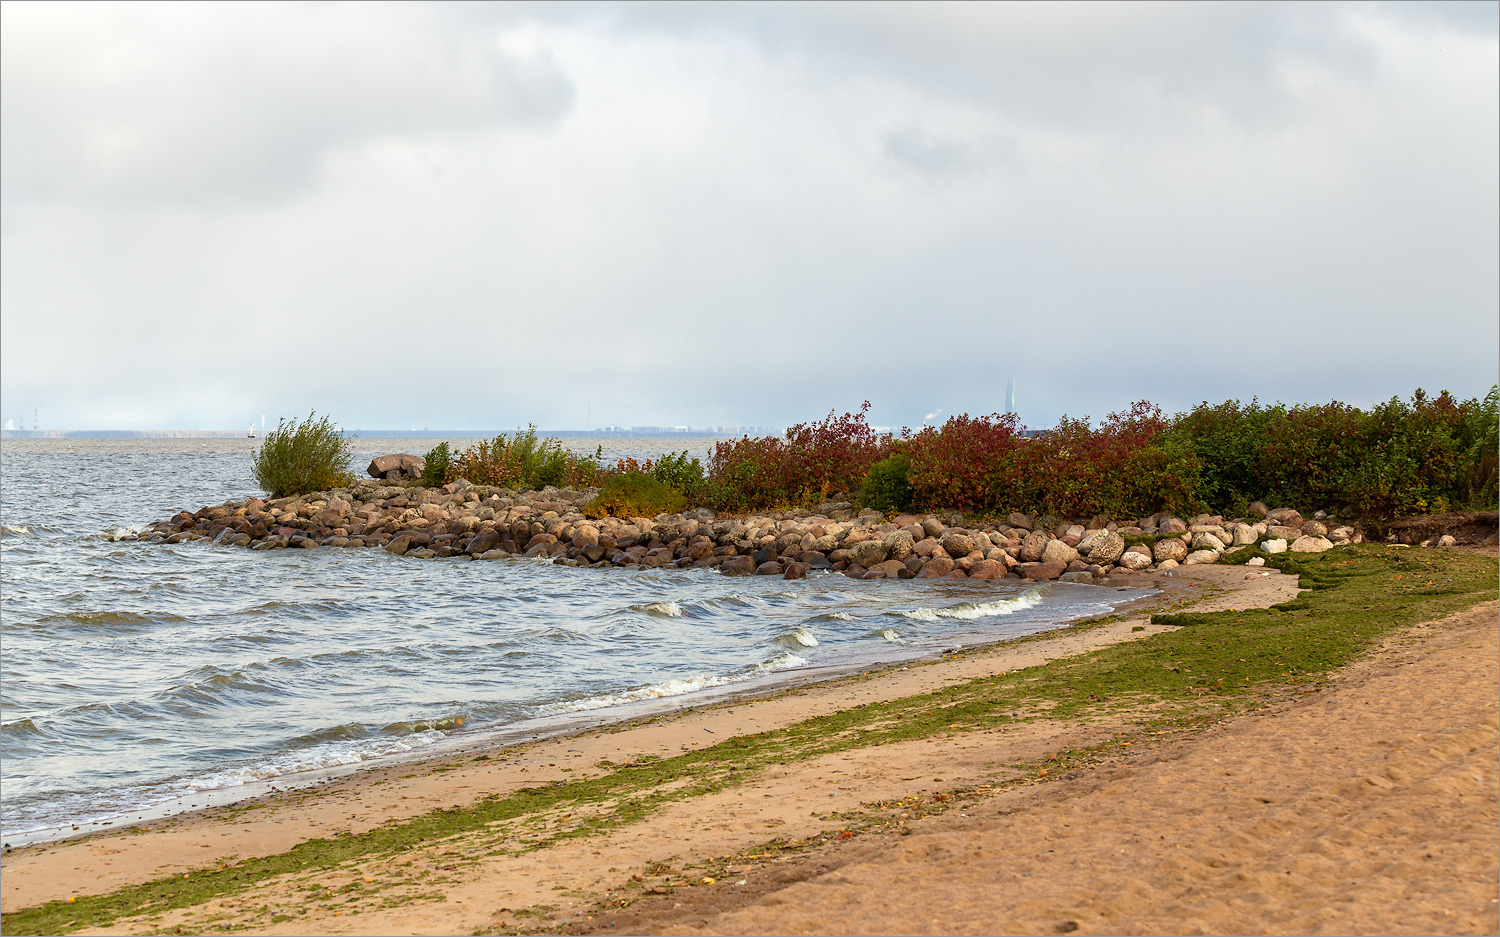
1366, 805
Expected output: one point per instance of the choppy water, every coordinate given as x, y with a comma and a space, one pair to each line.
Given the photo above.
137, 673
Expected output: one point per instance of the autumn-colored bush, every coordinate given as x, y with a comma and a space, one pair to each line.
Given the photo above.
525, 460
969, 464
810, 464
635, 494
1125, 467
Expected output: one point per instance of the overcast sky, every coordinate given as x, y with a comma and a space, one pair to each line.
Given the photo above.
480, 216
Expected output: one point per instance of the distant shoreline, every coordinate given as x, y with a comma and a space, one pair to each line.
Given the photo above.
644, 432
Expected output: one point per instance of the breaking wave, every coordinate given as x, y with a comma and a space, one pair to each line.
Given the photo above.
967, 611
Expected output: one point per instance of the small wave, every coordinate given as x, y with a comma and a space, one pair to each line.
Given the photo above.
797, 637
890, 634
16, 530
835, 616
109, 618
325, 756
423, 725
967, 611
21, 728
661, 690
659, 609
783, 662
117, 534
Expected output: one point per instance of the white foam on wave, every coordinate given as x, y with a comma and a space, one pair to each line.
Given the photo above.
890, 634
664, 609
123, 533
675, 687
783, 662
841, 616
798, 637
12, 530
967, 611
331, 755
666, 688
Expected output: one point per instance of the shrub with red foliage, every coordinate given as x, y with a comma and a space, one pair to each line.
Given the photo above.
968, 464
1124, 467
814, 462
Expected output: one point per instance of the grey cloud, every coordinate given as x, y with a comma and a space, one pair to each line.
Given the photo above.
938, 158
204, 104
481, 215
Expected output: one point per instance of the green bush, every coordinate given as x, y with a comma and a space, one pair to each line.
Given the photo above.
297, 458
524, 460
437, 469
1481, 471
677, 470
635, 494
888, 486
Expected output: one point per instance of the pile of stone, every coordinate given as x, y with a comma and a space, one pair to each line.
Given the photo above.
487, 523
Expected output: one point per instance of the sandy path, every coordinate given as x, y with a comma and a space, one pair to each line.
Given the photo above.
1367, 808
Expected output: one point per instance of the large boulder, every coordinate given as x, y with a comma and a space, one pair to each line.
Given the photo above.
957, 544
1171, 548
892, 569
1273, 546
1306, 544
1044, 571
1205, 540
936, 568
486, 540
868, 553
932, 526
1314, 529
926, 547
988, 569
1023, 521
1108, 550
1201, 556
1280, 532
398, 465
1091, 539
1057, 551
1131, 559
1344, 535
737, 566
1033, 545
899, 545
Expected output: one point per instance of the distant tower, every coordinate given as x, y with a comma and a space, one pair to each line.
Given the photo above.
34, 424
1010, 395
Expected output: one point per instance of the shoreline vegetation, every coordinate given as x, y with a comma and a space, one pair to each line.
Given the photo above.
973, 499
1166, 679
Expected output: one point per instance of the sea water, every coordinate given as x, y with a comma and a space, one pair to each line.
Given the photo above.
140, 675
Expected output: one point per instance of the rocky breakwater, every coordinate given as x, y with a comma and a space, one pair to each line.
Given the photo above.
489, 523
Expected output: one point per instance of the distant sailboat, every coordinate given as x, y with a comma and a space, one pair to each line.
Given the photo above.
252, 431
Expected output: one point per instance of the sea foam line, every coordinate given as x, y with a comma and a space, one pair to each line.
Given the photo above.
967, 611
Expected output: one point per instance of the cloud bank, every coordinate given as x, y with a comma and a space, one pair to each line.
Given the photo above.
478, 216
